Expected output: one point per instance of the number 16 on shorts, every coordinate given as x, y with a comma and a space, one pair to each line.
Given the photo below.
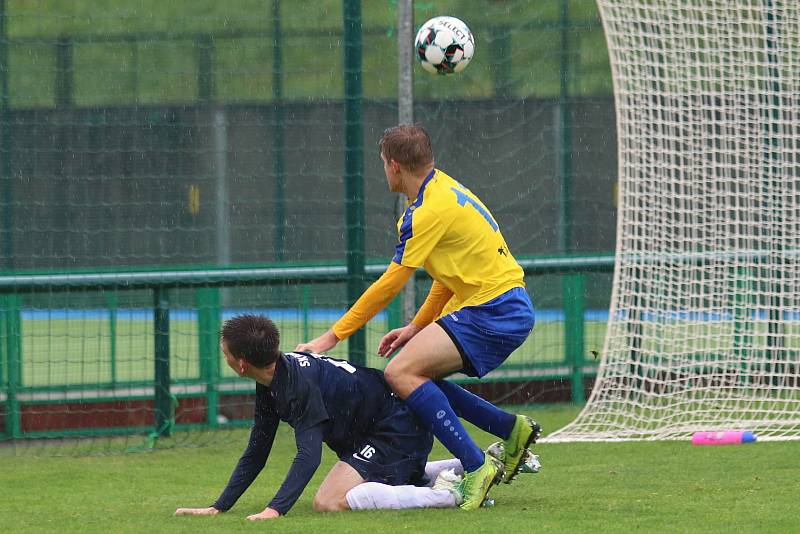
365, 453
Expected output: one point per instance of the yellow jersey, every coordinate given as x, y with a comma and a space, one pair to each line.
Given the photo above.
449, 232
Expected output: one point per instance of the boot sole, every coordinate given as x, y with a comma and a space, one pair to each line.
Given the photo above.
537, 431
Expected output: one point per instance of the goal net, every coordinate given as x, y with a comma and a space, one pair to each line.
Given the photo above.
704, 325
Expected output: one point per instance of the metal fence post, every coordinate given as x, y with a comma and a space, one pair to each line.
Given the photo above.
163, 396
208, 326
6, 178
394, 313
564, 139
501, 74
64, 72
405, 115
354, 168
574, 335
278, 156
12, 326
112, 302
305, 305
205, 68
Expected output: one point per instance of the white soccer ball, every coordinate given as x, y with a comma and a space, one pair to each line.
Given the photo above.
444, 45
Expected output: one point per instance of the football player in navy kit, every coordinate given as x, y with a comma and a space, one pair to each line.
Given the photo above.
381, 446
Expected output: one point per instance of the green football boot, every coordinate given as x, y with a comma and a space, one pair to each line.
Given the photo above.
525, 432
531, 463
475, 486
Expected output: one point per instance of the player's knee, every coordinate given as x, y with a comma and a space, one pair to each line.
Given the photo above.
328, 503
393, 374
403, 379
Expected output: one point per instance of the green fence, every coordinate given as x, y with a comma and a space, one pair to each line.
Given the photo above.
142, 361
181, 161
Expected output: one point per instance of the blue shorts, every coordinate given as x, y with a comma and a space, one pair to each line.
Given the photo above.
487, 334
395, 451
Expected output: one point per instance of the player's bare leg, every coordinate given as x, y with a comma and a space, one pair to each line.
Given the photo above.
432, 354
331, 495
428, 355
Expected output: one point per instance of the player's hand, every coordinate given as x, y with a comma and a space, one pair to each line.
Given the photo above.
396, 339
268, 513
321, 345
197, 511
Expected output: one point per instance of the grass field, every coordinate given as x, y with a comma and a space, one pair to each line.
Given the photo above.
597, 487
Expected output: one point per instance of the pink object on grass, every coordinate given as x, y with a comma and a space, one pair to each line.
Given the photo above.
723, 437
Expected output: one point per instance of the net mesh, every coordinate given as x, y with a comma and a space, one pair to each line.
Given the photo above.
153, 136
704, 326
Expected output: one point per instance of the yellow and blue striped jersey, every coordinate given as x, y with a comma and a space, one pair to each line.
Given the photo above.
449, 232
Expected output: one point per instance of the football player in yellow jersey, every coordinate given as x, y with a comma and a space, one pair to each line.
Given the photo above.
476, 313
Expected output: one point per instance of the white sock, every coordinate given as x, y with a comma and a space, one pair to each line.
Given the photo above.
432, 469
375, 496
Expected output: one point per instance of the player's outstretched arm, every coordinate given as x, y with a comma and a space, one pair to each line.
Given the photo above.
252, 461
320, 345
197, 511
438, 296
305, 464
374, 299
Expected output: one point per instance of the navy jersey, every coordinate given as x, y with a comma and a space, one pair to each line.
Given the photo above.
324, 400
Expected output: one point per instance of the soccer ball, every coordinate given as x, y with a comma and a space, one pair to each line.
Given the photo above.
444, 45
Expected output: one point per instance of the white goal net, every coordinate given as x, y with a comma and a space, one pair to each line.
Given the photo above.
704, 327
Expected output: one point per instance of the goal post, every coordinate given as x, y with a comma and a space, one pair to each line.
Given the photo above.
704, 322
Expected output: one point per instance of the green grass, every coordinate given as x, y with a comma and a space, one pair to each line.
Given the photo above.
597, 487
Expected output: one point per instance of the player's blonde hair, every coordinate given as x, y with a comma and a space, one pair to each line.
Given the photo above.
407, 144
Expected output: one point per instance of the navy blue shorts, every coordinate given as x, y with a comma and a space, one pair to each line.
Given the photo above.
487, 334
395, 452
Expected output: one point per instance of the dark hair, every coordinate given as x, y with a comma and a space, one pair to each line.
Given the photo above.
407, 144
252, 337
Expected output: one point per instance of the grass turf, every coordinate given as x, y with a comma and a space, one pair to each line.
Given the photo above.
610, 487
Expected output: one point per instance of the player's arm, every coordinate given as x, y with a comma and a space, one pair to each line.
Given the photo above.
373, 300
305, 464
438, 296
255, 455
